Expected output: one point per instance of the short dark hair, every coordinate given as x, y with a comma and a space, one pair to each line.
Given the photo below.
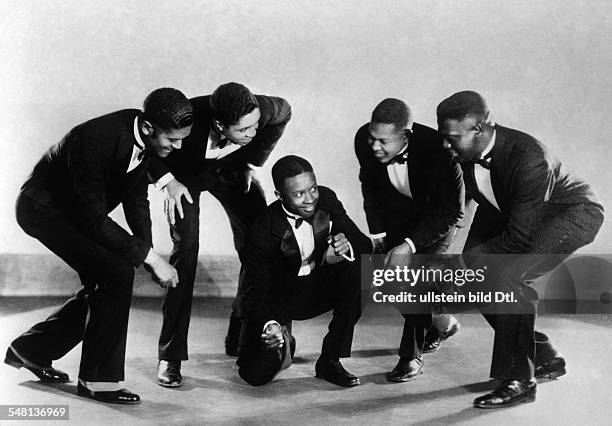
462, 105
168, 109
287, 167
231, 101
392, 111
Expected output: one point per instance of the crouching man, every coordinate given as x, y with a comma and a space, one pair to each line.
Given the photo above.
301, 260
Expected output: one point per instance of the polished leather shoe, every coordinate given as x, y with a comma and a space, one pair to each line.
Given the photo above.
405, 370
509, 393
169, 373
332, 371
46, 374
121, 396
434, 339
551, 369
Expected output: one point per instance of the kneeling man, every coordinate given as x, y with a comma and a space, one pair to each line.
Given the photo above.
301, 259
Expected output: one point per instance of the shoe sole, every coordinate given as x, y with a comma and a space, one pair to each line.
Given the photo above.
403, 380
170, 385
526, 400
552, 374
357, 383
453, 330
87, 394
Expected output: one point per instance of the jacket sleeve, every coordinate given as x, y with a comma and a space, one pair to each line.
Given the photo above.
137, 213
341, 222
446, 204
372, 187
277, 113
532, 185
89, 165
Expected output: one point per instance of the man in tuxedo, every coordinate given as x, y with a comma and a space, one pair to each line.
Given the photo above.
233, 134
65, 205
301, 260
533, 211
413, 199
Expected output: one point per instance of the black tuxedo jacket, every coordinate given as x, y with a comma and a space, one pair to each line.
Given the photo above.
528, 181
189, 164
272, 256
435, 183
85, 176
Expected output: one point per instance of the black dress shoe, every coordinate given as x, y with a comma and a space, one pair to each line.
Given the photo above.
332, 371
405, 370
121, 396
169, 374
551, 369
434, 339
46, 374
509, 393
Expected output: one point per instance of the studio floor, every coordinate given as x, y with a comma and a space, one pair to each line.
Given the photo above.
213, 393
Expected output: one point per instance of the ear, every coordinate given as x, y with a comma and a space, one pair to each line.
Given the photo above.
278, 195
147, 128
219, 127
478, 128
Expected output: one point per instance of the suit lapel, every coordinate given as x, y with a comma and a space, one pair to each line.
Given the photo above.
282, 230
497, 162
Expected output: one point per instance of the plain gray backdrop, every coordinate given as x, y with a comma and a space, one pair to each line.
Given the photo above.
543, 66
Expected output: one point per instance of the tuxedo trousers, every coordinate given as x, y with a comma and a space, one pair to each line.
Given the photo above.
97, 315
517, 347
330, 287
242, 209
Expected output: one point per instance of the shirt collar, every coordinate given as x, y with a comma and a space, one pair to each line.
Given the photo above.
490, 145
289, 214
139, 143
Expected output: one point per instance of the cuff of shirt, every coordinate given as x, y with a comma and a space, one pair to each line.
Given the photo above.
163, 181
411, 244
253, 166
270, 323
380, 235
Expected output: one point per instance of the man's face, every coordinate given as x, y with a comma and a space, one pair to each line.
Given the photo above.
460, 137
300, 194
163, 142
386, 141
242, 132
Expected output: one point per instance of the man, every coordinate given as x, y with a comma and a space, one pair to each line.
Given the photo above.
65, 205
413, 199
301, 260
233, 134
530, 207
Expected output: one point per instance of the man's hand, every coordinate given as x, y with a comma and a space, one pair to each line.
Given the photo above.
272, 338
251, 176
173, 191
338, 246
379, 245
162, 272
400, 255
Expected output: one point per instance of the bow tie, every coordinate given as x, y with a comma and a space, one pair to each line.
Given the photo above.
300, 220
399, 159
484, 162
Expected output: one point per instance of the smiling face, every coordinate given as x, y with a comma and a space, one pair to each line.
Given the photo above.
243, 131
163, 142
300, 194
386, 141
462, 138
